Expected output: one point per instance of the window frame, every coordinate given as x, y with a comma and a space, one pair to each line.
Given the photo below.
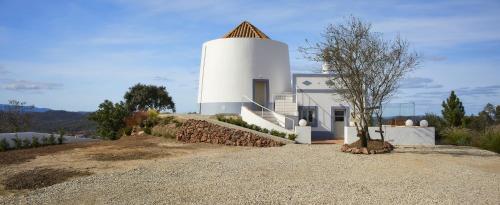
314, 122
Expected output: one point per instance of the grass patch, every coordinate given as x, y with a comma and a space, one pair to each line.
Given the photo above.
40, 177
236, 120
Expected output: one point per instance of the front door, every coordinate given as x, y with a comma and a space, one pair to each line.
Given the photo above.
338, 122
260, 92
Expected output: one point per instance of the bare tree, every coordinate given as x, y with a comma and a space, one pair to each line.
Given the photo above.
15, 117
366, 69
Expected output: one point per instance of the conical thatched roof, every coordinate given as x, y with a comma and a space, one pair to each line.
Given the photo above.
246, 30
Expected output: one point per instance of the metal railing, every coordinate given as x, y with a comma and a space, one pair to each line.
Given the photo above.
262, 108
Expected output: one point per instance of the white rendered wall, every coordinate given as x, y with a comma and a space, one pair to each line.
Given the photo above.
397, 135
303, 134
252, 118
319, 94
229, 65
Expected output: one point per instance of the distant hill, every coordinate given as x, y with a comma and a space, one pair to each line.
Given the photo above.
53, 120
4, 107
48, 121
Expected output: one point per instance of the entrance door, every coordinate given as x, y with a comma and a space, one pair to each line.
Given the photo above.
261, 91
338, 122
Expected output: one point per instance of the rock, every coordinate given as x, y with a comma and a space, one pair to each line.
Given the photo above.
344, 148
364, 150
193, 131
355, 151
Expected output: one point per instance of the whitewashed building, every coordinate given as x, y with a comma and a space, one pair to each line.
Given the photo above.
247, 73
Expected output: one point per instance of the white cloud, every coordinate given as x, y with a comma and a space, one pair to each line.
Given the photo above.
443, 31
24, 85
419, 82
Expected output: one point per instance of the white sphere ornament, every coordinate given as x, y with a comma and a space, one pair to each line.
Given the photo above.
424, 123
302, 122
409, 123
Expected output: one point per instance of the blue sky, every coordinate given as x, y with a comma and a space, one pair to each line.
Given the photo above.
71, 55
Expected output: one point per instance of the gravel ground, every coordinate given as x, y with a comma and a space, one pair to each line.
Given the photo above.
292, 174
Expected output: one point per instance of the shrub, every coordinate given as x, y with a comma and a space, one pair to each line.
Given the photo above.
127, 131
177, 123
147, 130
264, 130
35, 142
292, 137
220, 117
60, 139
18, 144
26, 143
52, 140
490, 140
45, 140
166, 120
278, 133
110, 119
438, 123
163, 131
457, 136
4, 145
136, 119
256, 128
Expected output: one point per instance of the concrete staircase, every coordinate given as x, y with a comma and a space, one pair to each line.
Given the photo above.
268, 116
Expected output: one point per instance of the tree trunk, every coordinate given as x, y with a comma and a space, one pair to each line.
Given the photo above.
364, 139
380, 128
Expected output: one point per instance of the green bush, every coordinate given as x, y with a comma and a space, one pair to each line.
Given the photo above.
52, 140
220, 117
438, 123
457, 136
292, 137
18, 143
127, 131
278, 133
35, 142
490, 140
110, 119
147, 130
60, 139
166, 120
45, 140
4, 145
239, 122
26, 143
177, 123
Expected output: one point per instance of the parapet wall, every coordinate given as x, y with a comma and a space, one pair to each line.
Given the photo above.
397, 135
194, 131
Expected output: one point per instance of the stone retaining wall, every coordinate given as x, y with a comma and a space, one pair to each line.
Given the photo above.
193, 131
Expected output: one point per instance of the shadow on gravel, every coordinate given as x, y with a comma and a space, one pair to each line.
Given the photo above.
39, 178
456, 151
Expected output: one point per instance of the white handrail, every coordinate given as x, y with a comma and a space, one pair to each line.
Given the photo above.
262, 111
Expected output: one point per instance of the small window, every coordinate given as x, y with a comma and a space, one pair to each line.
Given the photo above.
339, 115
310, 114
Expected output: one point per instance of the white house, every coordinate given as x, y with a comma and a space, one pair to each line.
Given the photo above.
247, 73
